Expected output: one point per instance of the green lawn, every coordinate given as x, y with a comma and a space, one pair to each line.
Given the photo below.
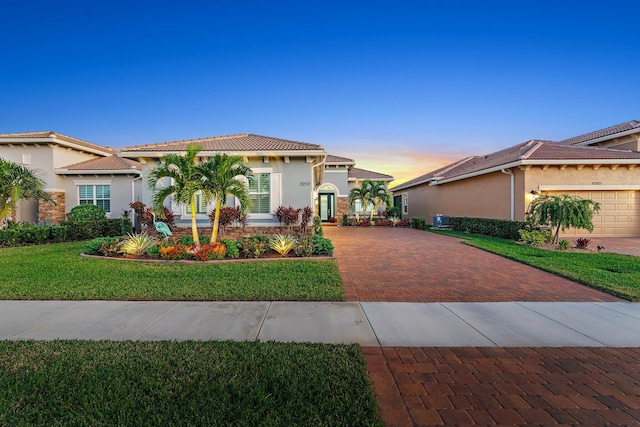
57, 271
613, 273
53, 383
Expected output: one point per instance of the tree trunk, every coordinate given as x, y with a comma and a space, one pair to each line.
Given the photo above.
216, 221
194, 225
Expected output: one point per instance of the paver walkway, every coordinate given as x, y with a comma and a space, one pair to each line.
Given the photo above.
402, 264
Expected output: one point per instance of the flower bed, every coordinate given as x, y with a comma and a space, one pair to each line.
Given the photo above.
142, 246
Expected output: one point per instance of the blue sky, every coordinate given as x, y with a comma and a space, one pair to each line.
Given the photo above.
402, 87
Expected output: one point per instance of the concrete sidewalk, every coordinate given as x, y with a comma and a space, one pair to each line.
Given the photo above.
500, 324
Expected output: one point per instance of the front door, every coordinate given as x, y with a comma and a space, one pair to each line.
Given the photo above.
326, 206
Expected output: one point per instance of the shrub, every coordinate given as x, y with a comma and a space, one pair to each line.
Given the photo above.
59, 233
136, 244
210, 251
228, 215
393, 212
307, 214
175, 252
582, 242
154, 251
93, 247
282, 243
86, 213
322, 246
563, 245
304, 248
417, 222
535, 237
345, 220
317, 226
188, 240
501, 228
83, 230
233, 249
287, 215
253, 247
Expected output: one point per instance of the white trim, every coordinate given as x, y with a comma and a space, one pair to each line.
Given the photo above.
589, 187
307, 154
92, 182
262, 170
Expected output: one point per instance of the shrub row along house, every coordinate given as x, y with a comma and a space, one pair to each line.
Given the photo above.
603, 166
78, 172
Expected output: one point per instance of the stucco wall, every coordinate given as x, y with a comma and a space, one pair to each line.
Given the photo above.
120, 191
339, 178
486, 196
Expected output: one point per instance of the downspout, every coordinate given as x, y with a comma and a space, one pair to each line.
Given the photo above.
513, 185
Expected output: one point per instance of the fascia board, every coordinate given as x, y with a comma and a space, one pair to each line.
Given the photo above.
49, 140
97, 172
290, 153
606, 138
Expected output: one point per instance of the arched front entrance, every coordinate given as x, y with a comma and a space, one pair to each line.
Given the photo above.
327, 202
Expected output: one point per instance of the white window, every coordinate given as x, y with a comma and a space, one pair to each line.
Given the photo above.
99, 195
201, 204
260, 193
405, 203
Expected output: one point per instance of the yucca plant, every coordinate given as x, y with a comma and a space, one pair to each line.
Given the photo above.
282, 243
137, 244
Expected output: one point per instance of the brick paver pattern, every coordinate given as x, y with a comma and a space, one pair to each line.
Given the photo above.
486, 385
506, 386
408, 265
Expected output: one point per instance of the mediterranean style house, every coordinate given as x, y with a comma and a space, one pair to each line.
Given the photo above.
603, 166
78, 172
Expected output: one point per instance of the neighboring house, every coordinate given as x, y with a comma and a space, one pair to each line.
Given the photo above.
76, 172
340, 176
603, 166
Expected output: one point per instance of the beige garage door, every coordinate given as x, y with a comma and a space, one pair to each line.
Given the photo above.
619, 214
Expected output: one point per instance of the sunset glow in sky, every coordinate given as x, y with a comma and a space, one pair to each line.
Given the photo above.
402, 87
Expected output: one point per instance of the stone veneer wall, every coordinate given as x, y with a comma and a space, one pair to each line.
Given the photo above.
342, 207
53, 212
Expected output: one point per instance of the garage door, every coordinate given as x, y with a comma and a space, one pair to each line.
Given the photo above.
619, 214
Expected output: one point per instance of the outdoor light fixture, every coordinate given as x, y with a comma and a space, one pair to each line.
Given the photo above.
534, 193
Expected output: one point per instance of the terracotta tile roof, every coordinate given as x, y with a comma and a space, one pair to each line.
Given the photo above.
240, 142
111, 163
337, 159
529, 152
612, 130
357, 173
551, 151
58, 136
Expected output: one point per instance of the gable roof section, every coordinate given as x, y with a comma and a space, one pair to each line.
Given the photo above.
361, 174
611, 132
241, 143
111, 165
57, 138
337, 160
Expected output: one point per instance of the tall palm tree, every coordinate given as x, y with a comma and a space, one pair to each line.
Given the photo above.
370, 193
186, 182
18, 183
378, 195
221, 178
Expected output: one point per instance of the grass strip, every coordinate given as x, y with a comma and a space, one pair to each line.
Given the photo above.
616, 274
57, 271
57, 383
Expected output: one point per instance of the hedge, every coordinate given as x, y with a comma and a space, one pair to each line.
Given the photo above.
502, 228
24, 234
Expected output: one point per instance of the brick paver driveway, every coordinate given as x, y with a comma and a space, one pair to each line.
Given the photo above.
487, 385
402, 264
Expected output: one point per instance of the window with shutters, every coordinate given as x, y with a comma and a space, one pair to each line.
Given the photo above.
260, 193
201, 204
99, 195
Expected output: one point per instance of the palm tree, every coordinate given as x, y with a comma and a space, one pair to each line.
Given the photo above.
186, 182
222, 177
18, 183
370, 193
378, 194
